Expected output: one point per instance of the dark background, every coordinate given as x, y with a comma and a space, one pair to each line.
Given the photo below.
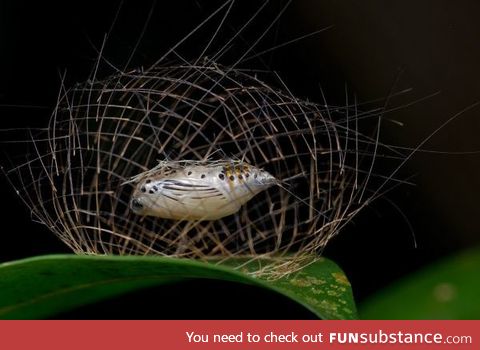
430, 47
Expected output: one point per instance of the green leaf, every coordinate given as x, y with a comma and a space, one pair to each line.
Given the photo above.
449, 289
45, 286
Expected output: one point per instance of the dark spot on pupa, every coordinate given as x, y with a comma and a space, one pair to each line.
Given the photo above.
189, 173
143, 189
136, 204
155, 188
203, 176
221, 176
247, 174
148, 181
151, 192
240, 176
232, 178
255, 176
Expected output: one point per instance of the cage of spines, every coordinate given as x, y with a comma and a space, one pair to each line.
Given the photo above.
105, 131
